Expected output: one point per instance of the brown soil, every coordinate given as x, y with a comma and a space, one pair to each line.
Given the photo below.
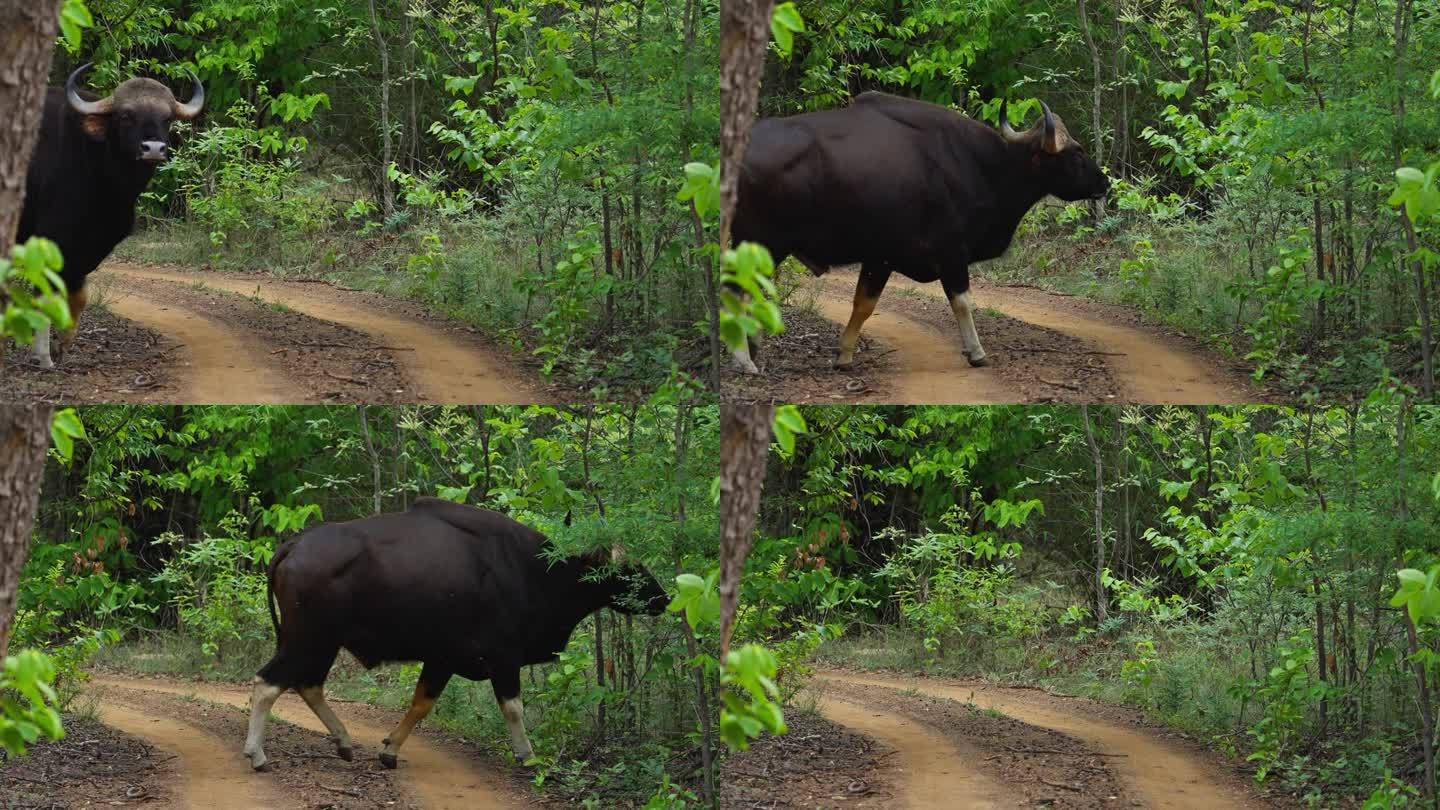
1037, 766
815, 764
1157, 767
112, 360
1043, 347
94, 765
449, 364
317, 360
791, 372
172, 335
435, 772
1153, 365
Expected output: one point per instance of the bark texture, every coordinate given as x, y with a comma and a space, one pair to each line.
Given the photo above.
744, 443
27, 41
24, 437
744, 35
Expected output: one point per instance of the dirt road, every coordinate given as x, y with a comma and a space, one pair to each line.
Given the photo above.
934, 772
1162, 773
210, 337
1043, 347
432, 775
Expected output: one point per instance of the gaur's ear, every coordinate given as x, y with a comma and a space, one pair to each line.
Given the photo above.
95, 126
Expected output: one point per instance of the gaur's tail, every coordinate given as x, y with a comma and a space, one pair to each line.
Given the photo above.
279, 556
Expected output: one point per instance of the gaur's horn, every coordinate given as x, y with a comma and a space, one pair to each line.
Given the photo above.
191, 109
616, 553
1006, 130
80, 105
1051, 142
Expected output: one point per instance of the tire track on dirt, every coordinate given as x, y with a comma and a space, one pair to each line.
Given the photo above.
932, 771
930, 370
218, 365
1163, 774
210, 775
440, 779
1150, 368
444, 367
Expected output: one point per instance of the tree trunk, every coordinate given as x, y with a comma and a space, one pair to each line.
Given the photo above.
387, 155
697, 226
744, 443
374, 458
703, 703
1101, 602
744, 35
1422, 291
24, 437
1096, 85
27, 40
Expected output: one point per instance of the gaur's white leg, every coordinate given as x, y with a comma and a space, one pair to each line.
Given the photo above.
41, 350
964, 307
262, 697
741, 359
314, 697
514, 712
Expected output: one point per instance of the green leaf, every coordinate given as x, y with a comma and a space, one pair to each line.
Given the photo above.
785, 21
65, 428
74, 18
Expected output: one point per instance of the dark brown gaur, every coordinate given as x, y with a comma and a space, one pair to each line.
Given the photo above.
93, 160
902, 186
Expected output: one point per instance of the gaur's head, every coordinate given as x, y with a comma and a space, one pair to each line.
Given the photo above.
134, 121
1068, 172
624, 585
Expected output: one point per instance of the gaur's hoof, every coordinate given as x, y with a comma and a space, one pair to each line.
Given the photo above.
346, 753
745, 367
389, 760
978, 363
843, 364
262, 767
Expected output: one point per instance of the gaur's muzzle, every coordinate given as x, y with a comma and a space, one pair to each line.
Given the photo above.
154, 151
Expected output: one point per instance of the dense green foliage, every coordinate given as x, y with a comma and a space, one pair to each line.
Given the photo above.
516, 165
1237, 578
1255, 146
150, 550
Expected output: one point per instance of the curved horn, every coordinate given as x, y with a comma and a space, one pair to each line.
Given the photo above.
1006, 131
617, 554
1051, 142
80, 105
191, 109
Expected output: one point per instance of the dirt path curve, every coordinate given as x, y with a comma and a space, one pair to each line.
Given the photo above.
446, 369
930, 371
440, 779
933, 772
217, 364
210, 775
1165, 775
1150, 367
